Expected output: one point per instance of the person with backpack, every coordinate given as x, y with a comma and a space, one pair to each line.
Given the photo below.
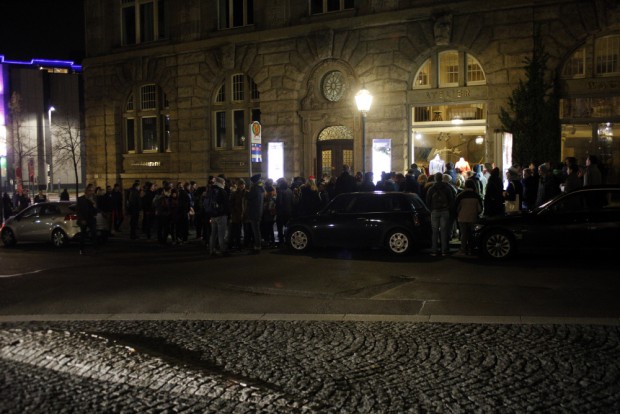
440, 200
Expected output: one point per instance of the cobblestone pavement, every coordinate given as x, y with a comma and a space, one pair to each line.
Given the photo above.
307, 366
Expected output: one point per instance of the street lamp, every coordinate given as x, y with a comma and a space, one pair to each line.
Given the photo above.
363, 100
48, 166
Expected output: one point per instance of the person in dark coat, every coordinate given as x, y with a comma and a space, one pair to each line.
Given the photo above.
346, 182
134, 206
284, 208
548, 187
7, 206
185, 204
494, 195
367, 184
529, 183
440, 201
514, 189
87, 216
117, 207
310, 199
147, 209
64, 196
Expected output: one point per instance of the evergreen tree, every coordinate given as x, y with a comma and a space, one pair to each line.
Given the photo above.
534, 122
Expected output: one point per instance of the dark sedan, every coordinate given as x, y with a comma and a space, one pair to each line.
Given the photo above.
588, 217
396, 221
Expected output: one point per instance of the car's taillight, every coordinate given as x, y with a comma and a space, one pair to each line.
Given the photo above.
70, 217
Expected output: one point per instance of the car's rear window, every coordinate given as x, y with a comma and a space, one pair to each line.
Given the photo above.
50, 210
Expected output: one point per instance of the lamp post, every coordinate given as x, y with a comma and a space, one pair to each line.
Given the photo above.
48, 166
363, 100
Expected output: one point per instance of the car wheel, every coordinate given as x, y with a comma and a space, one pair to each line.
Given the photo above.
498, 245
8, 238
399, 242
299, 240
59, 238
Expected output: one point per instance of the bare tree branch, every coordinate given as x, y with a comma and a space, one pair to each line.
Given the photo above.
67, 148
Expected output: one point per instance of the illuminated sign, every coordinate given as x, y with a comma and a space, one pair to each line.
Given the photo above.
44, 63
255, 140
275, 165
381, 157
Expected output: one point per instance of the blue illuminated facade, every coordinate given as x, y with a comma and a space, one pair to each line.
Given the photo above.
49, 96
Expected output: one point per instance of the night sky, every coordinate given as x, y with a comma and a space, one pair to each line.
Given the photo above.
48, 30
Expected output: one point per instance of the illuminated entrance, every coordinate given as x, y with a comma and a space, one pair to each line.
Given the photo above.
334, 149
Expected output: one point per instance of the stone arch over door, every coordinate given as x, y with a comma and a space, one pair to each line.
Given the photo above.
334, 149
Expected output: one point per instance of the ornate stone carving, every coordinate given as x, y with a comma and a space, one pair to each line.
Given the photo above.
335, 132
227, 56
442, 29
333, 85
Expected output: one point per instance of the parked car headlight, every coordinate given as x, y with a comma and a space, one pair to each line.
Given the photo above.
478, 227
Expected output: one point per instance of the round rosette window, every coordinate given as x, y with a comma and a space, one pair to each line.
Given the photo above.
333, 86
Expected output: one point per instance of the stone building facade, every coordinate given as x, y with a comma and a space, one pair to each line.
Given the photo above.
171, 88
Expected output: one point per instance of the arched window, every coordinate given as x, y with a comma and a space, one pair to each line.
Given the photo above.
575, 66
600, 60
147, 122
449, 68
236, 104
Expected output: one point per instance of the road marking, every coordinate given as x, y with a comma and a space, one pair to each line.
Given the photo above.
21, 274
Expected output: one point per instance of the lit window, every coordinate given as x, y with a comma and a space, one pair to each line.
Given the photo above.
236, 13
143, 21
575, 66
326, 6
606, 53
475, 74
449, 69
423, 78
147, 125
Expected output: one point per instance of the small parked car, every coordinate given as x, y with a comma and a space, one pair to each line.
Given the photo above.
589, 216
398, 222
54, 222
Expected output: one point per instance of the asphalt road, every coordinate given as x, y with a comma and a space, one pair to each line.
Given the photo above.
142, 277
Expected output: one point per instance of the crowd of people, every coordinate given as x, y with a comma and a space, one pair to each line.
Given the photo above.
235, 214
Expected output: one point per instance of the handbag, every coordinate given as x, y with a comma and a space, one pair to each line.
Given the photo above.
513, 206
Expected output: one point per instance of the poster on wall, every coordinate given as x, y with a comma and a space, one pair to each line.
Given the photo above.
381, 157
506, 156
275, 160
255, 141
